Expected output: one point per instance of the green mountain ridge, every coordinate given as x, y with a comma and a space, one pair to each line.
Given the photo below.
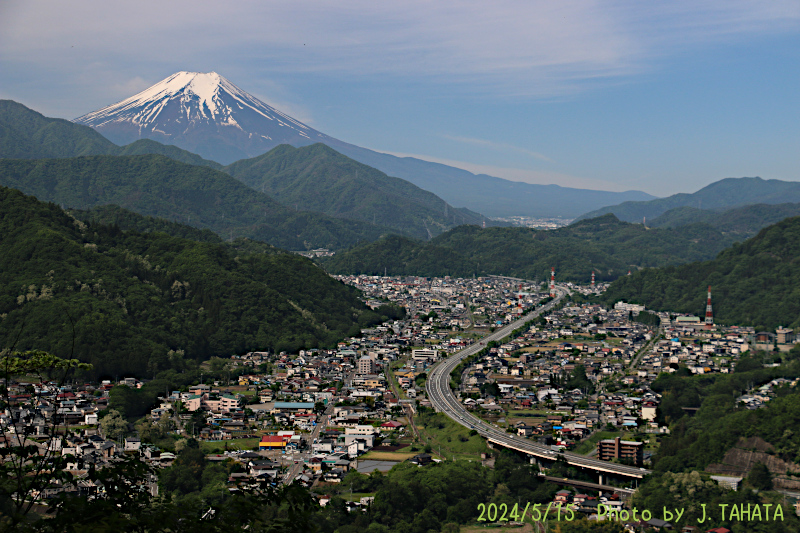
27, 134
139, 302
744, 222
606, 245
318, 178
723, 194
158, 186
755, 283
313, 178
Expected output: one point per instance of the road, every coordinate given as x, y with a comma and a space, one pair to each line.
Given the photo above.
296, 468
444, 400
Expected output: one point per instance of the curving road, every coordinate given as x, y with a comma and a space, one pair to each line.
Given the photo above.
443, 400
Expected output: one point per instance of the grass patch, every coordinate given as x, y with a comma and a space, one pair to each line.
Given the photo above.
451, 438
219, 446
387, 456
356, 496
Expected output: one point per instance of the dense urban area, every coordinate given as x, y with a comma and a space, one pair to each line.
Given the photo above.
582, 378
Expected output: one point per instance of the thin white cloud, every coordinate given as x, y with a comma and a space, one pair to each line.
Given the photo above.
498, 146
529, 48
538, 177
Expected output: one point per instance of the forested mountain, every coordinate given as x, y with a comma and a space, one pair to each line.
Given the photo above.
157, 186
318, 178
131, 302
723, 194
114, 215
309, 179
605, 245
742, 222
27, 134
756, 282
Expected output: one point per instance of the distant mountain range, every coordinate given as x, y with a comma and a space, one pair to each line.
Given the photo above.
210, 116
718, 196
313, 178
604, 245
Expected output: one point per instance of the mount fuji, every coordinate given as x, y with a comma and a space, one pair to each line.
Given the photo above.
205, 114
208, 115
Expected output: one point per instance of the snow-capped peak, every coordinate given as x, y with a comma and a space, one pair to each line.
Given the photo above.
188, 105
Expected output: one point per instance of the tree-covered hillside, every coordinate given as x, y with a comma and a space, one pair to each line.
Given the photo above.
742, 222
157, 186
722, 194
138, 303
756, 282
27, 134
609, 247
318, 178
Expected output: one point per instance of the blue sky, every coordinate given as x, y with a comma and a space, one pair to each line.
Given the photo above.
663, 97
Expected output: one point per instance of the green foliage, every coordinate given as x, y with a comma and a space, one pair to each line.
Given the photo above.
648, 319
576, 379
114, 215
144, 303
113, 425
697, 441
760, 477
755, 283
27, 134
318, 178
689, 491
27, 464
157, 186
609, 247
744, 222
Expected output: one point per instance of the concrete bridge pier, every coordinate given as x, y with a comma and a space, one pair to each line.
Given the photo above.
600, 478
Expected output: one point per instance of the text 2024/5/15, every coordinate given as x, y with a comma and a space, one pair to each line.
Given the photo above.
502, 513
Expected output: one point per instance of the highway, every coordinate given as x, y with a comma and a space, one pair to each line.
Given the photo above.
443, 400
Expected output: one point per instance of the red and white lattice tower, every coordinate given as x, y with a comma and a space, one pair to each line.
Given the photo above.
519, 300
709, 315
552, 282
592, 279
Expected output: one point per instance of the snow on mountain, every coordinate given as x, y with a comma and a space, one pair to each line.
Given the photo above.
210, 116
203, 113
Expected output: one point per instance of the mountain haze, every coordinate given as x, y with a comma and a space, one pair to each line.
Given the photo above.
317, 178
210, 116
494, 197
723, 194
311, 178
604, 245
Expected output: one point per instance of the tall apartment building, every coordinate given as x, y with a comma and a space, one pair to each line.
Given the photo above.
365, 366
609, 449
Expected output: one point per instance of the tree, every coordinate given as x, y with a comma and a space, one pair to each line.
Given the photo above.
27, 466
760, 477
113, 425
